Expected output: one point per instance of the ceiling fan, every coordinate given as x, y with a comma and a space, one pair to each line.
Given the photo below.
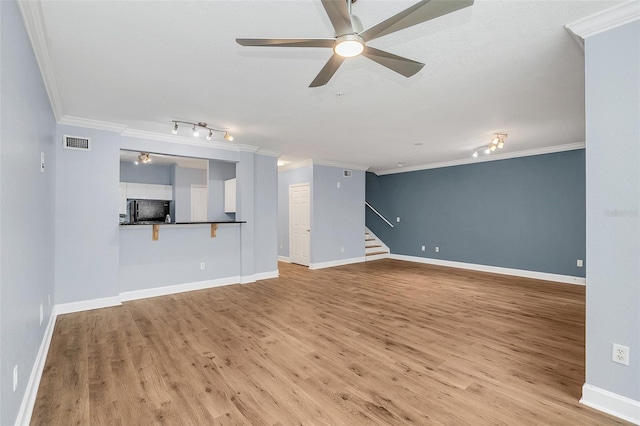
351, 39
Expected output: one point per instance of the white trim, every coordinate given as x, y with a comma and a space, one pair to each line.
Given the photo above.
340, 165
569, 279
267, 275
605, 20
611, 403
492, 157
293, 166
87, 305
177, 288
268, 152
333, 263
247, 279
34, 24
284, 259
91, 124
31, 391
143, 134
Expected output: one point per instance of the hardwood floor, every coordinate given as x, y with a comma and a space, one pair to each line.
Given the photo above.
384, 342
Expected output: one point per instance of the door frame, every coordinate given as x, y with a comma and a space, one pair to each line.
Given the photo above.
206, 196
307, 184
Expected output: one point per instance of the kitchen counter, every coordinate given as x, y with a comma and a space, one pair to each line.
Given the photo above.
182, 223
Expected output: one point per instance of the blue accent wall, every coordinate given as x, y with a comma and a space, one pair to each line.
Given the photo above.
523, 213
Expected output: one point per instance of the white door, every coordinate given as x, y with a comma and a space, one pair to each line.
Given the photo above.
299, 223
198, 203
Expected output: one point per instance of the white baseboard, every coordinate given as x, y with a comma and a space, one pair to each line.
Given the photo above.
611, 403
87, 305
284, 259
31, 391
178, 288
493, 269
333, 263
267, 275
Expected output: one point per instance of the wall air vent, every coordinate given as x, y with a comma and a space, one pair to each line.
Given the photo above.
77, 142
347, 173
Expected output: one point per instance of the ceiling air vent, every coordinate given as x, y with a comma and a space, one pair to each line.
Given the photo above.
77, 142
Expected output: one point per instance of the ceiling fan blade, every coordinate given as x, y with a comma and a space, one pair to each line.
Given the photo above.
287, 42
416, 14
396, 63
327, 71
338, 12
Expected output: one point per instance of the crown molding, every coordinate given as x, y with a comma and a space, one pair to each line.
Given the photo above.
162, 137
605, 20
268, 152
92, 124
340, 165
33, 19
297, 165
491, 157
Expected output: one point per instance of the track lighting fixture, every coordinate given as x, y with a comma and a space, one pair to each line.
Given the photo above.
195, 127
143, 158
496, 143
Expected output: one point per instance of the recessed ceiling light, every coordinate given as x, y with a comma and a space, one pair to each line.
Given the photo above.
399, 164
418, 144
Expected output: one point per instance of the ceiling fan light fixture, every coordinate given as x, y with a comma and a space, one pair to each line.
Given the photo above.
349, 45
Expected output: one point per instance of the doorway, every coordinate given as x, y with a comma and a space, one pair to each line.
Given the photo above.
199, 200
299, 223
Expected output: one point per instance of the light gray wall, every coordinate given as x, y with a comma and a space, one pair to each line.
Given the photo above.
219, 171
338, 221
27, 128
285, 179
175, 258
245, 204
87, 238
183, 179
146, 173
523, 213
266, 214
612, 69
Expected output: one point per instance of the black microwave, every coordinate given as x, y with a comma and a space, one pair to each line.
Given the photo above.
149, 210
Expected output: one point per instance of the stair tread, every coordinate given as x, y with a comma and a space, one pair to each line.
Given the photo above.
374, 246
370, 239
376, 252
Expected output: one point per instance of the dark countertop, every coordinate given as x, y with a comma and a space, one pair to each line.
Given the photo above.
181, 223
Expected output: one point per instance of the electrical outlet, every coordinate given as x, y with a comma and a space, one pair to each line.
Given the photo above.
15, 378
42, 162
202, 266
620, 354
341, 249
437, 249
579, 263
398, 219
41, 313
338, 185
49, 299
423, 248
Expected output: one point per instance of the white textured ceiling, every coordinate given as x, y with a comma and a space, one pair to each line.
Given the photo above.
497, 66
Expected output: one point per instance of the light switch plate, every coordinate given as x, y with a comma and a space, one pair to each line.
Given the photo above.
42, 162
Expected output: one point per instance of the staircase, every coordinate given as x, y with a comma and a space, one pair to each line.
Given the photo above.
374, 248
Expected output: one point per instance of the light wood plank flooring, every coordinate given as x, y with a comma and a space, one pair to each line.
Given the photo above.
380, 343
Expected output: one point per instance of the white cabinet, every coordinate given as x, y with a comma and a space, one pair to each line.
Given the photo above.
122, 198
230, 196
155, 192
137, 191
142, 191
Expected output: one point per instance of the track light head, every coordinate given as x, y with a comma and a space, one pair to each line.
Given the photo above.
228, 137
196, 132
475, 154
210, 135
175, 128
